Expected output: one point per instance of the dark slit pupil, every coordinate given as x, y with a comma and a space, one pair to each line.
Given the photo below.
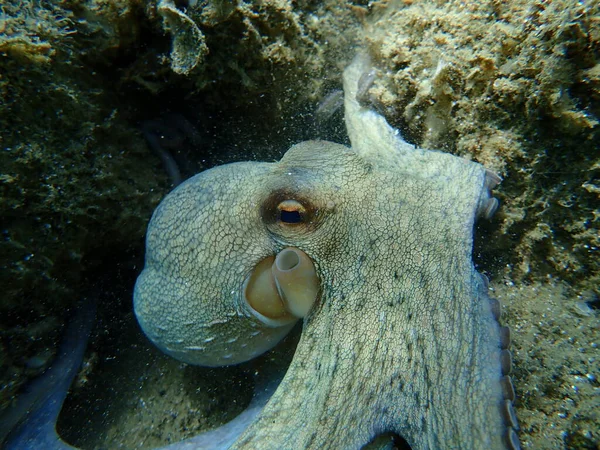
291, 216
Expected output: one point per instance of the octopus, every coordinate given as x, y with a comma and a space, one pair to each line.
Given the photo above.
371, 247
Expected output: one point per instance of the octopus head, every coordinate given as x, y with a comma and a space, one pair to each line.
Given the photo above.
232, 260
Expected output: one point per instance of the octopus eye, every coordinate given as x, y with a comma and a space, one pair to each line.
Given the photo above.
291, 212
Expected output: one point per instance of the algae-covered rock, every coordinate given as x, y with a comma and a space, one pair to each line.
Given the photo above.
515, 86
189, 47
282, 49
75, 180
555, 354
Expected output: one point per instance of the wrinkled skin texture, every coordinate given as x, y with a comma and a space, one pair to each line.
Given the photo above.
402, 338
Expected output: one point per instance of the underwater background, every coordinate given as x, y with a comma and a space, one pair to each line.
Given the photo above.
85, 85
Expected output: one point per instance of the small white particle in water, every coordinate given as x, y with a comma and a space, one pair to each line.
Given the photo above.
209, 339
591, 378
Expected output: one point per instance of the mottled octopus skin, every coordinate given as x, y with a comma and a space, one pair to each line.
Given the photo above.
402, 338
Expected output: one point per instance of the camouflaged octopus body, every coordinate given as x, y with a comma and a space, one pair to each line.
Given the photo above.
402, 339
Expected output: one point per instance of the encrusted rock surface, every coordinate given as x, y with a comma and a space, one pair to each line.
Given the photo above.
516, 86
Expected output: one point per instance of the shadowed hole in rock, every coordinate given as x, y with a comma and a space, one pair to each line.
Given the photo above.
136, 397
128, 394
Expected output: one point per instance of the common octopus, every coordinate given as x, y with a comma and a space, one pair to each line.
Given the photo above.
372, 247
